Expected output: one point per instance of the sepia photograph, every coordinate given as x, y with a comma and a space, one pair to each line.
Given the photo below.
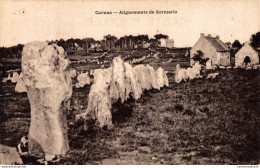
134, 82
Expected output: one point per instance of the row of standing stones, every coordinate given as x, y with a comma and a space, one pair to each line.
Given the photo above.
48, 85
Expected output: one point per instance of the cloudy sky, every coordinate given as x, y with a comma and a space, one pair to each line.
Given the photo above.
25, 21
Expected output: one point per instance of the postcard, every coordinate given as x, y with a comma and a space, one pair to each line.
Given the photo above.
135, 82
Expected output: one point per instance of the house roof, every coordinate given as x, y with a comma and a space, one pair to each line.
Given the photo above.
253, 48
217, 44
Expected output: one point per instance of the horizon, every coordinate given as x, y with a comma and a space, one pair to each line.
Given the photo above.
23, 22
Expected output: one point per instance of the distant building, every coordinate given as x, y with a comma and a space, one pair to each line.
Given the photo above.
212, 48
75, 49
167, 43
146, 45
95, 45
247, 55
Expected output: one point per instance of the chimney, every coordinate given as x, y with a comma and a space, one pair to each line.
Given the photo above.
202, 34
217, 37
209, 35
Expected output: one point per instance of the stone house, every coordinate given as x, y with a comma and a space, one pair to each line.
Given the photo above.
212, 48
167, 43
247, 56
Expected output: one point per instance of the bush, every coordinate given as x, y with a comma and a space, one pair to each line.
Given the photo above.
198, 57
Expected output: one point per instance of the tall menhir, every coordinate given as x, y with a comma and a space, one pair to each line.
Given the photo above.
49, 89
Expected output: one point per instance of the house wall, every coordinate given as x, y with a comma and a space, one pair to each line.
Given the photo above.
216, 61
162, 42
208, 50
225, 58
246, 50
169, 43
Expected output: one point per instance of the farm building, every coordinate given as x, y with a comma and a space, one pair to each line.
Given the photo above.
168, 43
247, 55
212, 48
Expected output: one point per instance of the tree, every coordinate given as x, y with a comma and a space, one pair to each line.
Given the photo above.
142, 38
236, 44
19, 48
88, 40
159, 36
255, 40
62, 43
110, 37
153, 43
199, 57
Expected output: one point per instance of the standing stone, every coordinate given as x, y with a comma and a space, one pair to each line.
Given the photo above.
49, 88
132, 84
142, 76
208, 64
162, 78
180, 74
152, 77
15, 77
99, 102
83, 79
19, 87
118, 81
73, 73
7, 79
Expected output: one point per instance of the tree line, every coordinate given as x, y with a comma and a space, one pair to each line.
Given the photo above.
16, 51
108, 40
73, 43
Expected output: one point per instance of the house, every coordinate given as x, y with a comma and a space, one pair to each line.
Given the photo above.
247, 56
212, 48
95, 45
162, 42
75, 49
167, 43
146, 45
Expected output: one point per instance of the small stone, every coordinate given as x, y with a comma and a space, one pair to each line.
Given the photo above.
154, 158
83, 79
20, 87
49, 157
217, 148
9, 155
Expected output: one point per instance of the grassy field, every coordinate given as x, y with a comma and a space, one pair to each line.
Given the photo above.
197, 122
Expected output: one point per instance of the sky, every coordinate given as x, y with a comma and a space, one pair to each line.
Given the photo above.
31, 20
